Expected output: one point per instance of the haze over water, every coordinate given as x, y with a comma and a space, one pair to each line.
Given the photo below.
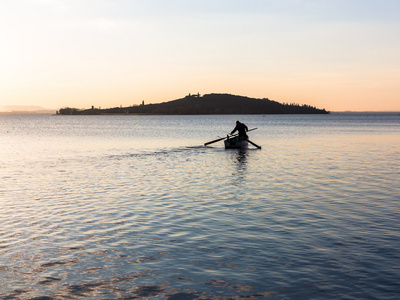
134, 206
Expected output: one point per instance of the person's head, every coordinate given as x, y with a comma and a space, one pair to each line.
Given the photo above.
237, 122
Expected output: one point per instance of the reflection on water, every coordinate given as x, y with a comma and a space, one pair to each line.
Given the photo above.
239, 158
155, 215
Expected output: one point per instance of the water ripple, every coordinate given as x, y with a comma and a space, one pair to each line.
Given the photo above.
309, 216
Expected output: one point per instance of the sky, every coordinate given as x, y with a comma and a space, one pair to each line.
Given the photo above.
340, 55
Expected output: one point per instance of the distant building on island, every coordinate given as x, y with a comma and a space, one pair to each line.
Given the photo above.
194, 95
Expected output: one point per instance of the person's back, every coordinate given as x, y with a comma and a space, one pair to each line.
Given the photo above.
241, 128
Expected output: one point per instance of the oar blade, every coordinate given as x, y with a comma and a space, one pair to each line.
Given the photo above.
254, 144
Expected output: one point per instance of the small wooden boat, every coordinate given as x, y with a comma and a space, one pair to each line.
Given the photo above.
235, 143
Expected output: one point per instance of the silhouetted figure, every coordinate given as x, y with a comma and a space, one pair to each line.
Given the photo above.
241, 128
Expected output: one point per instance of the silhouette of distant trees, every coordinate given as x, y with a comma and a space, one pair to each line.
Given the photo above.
69, 111
207, 104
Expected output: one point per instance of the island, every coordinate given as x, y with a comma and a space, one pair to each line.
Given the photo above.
208, 104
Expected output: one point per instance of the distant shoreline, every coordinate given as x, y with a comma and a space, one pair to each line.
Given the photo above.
365, 112
208, 104
24, 113
20, 113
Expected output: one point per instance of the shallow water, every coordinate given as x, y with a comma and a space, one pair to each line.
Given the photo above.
134, 206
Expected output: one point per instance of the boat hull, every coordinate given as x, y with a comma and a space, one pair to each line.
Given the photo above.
235, 143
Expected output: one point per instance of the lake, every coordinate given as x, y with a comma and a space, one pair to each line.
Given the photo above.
126, 207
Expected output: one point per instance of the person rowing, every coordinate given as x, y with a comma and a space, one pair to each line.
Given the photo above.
242, 129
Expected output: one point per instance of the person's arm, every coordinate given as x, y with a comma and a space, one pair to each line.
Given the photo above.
234, 129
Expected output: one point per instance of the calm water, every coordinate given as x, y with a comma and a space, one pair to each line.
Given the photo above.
101, 207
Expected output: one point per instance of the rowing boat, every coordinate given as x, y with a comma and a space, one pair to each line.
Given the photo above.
235, 143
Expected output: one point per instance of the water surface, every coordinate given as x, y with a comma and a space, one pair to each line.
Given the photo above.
134, 206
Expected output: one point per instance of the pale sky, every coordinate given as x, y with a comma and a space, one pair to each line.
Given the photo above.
334, 54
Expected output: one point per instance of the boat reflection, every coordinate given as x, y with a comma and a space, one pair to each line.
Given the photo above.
239, 157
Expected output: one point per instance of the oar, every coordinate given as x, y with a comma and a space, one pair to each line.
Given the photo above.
224, 138
214, 141
259, 147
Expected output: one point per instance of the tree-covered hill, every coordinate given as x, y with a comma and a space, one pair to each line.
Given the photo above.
206, 104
